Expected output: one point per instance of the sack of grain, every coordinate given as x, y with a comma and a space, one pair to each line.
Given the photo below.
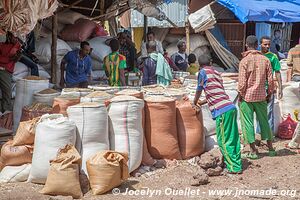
62, 102
130, 92
190, 130
98, 96
92, 129
126, 131
107, 170
79, 92
161, 128
52, 133
25, 133
63, 175
46, 96
78, 32
11, 174
69, 17
24, 95
16, 155
35, 110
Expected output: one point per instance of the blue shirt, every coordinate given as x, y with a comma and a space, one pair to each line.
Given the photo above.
77, 68
180, 62
202, 83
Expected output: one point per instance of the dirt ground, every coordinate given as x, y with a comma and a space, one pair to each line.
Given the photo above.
266, 178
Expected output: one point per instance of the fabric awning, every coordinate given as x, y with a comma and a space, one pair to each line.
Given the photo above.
264, 10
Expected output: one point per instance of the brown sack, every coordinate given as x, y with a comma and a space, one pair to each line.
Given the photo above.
16, 155
25, 133
161, 129
60, 105
63, 175
190, 130
6, 120
35, 110
107, 170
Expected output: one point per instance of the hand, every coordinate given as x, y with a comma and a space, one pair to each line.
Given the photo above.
240, 98
279, 95
268, 98
185, 98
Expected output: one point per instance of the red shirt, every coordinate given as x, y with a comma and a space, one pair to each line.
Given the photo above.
8, 50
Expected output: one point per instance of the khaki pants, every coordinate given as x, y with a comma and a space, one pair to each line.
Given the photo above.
5, 87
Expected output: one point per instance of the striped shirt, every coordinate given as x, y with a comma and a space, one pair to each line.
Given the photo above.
211, 82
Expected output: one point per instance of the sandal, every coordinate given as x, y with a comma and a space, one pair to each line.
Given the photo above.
252, 156
272, 153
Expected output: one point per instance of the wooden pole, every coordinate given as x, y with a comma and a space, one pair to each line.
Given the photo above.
53, 49
102, 7
187, 35
145, 28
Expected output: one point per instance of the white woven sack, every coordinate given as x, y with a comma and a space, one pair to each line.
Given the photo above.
24, 96
100, 49
45, 98
91, 120
52, 133
126, 131
11, 174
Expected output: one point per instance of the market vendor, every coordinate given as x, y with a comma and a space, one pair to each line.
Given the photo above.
222, 110
294, 62
114, 65
78, 67
180, 58
128, 50
10, 53
158, 44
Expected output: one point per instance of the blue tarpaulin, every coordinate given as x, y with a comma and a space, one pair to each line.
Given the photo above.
264, 10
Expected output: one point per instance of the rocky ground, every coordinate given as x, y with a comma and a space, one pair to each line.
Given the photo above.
266, 178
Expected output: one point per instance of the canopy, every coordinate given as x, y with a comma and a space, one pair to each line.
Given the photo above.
264, 10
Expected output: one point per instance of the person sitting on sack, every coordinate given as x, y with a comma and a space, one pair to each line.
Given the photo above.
156, 67
10, 53
79, 67
180, 58
222, 110
114, 65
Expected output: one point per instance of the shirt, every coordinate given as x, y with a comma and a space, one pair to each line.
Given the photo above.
211, 82
274, 61
149, 76
129, 52
113, 62
294, 59
8, 50
77, 69
193, 68
254, 70
180, 60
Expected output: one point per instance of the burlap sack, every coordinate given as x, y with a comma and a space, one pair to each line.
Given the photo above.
63, 175
191, 137
60, 104
107, 170
16, 155
161, 129
131, 92
25, 133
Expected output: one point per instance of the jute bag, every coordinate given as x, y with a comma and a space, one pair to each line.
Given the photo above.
107, 170
25, 132
63, 175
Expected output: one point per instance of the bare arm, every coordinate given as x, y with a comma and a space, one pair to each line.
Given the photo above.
278, 77
242, 84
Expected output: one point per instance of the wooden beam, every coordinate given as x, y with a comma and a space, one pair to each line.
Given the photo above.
145, 28
78, 7
102, 7
53, 49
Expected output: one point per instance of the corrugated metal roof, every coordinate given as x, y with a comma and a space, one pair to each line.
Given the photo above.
176, 11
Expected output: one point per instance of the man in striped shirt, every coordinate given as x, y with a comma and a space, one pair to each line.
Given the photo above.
254, 71
223, 111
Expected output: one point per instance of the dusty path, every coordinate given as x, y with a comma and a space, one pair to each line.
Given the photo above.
280, 175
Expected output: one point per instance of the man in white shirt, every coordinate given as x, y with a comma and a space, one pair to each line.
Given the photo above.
151, 37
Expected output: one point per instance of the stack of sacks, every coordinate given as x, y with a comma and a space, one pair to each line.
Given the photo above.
16, 155
63, 18
43, 53
91, 120
52, 133
126, 130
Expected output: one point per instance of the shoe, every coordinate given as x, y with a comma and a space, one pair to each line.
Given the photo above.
272, 153
252, 156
